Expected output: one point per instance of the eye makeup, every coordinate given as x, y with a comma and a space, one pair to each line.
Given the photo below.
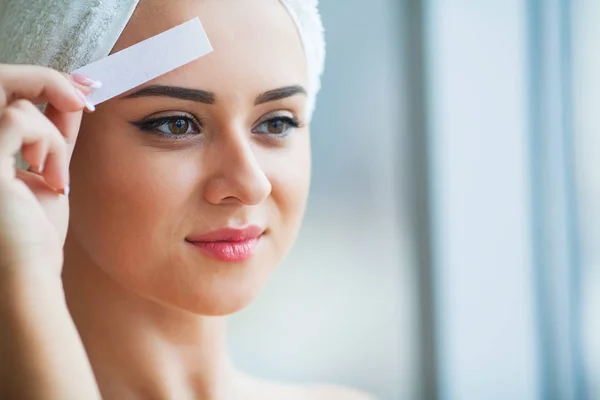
277, 125
177, 126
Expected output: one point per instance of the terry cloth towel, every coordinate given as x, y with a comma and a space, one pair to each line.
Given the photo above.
69, 34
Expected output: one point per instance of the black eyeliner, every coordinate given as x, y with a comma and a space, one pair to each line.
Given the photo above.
151, 125
292, 122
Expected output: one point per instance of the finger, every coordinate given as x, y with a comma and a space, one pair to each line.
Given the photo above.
35, 183
53, 161
35, 155
68, 124
39, 84
83, 82
54, 172
23, 125
86, 85
34, 169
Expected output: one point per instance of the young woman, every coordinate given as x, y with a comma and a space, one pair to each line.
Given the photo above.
185, 194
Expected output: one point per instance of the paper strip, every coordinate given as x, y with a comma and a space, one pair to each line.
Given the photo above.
147, 60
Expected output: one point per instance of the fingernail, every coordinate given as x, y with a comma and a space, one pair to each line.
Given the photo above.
65, 191
86, 81
86, 102
89, 106
36, 169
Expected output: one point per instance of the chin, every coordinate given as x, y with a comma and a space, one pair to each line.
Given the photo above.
198, 285
213, 294
216, 303
220, 309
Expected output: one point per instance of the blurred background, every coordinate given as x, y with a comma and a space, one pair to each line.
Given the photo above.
451, 244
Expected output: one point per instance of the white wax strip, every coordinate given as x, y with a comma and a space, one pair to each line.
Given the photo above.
147, 60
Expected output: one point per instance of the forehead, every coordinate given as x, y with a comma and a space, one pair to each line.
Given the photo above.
256, 43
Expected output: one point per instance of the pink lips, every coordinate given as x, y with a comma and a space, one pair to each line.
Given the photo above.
229, 245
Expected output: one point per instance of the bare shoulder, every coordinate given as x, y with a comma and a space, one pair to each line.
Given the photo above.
334, 392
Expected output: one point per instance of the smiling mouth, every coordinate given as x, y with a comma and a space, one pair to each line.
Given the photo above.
229, 245
229, 251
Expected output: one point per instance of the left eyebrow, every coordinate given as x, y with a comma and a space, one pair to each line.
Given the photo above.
278, 94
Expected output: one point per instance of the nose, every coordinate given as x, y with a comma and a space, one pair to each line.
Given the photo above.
237, 177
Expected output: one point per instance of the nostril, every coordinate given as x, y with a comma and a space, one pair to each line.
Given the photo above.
230, 200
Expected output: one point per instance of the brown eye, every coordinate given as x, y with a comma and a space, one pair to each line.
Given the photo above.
277, 126
179, 126
171, 126
280, 126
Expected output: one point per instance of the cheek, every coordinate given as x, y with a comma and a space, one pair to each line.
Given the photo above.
132, 207
126, 204
290, 174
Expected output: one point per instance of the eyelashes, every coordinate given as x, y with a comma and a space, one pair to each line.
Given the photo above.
173, 126
279, 126
185, 126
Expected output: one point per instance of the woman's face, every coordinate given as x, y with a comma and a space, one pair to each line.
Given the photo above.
158, 174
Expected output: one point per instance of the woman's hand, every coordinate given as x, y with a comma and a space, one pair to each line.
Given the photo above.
34, 207
42, 354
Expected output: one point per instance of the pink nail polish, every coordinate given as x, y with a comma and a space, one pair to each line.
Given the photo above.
86, 102
86, 81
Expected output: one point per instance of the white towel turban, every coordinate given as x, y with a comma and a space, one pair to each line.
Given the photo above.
68, 34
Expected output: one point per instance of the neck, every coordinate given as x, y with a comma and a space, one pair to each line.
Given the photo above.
139, 346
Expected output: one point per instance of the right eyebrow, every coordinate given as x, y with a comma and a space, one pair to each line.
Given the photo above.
200, 96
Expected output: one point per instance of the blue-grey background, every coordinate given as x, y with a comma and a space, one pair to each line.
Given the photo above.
450, 247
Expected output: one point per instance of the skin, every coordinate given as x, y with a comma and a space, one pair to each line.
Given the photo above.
150, 308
